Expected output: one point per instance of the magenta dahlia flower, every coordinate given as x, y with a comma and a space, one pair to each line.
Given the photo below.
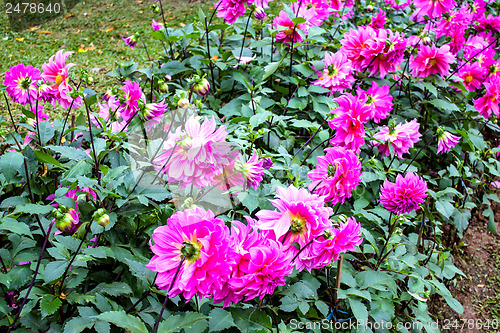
402, 137
21, 81
354, 43
287, 33
405, 195
156, 25
336, 175
153, 112
378, 100
432, 8
351, 114
301, 217
446, 141
252, 171
488, 23
57, 71
383, 53
131, 40
457, 20
47, 93
432, 60
196, 245
230, 10
488, 103
132, 94
191, 155
337, 73
472, 75
109, 112
378, 20
327, 248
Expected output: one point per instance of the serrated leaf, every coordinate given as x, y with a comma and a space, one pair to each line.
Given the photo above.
47, 159
251, 320
54, 270
445, 208
15, 226
124, 320
358, 309
220, 320
113, 289
49, 304
34, 209
10, 163
175, 323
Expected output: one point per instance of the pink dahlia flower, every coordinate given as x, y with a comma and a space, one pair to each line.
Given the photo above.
488, 103
47, 93
446, 141
402, 137
252, 171
337, 73
378, 20
327, 248
21, 83
383, 53
476, 44
457, 20
131, 40
57, 71
132, 94
156, 25
351, 114
354, 43
196, 245
405, 195
301, 217
491, 23
153, 112
336, 175
472, 75
109, 112
432, 8
286, 32
432, 60
457, 41
191, 155
230, 10
321, 8
378, 100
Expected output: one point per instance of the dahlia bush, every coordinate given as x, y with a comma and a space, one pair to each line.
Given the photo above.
281, 163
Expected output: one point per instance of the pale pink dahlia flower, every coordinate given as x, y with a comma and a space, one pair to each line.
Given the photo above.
336, 175
197, 245
153, 112
230, 10
192, 154
432, 60
405, 195
378, 100
301, 217
21, 81
57, 71
402, 137
350, 116
337, 73
489, 101
446, 141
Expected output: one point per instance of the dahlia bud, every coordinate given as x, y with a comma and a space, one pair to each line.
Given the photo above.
259, 13
163, 86
107, 95
154, 8
369, 8
183, 103
103, 220
202, 87
65, 223
426, 40
267, 163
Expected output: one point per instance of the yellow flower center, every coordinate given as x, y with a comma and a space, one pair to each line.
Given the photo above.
59, 79
469, 78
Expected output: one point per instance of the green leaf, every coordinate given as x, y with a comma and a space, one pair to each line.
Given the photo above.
272, 67
49, 304
445, 208
175, 323
259, 118
47, 159
444, 105
358, 309
10, 163
54, 270
14, 226
251, 320
460, 218
112, 289
77, 325
70, 153
46, 131
220, 320
90, 96
34, 209
124, 320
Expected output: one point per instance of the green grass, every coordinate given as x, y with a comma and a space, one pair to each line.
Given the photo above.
93, 30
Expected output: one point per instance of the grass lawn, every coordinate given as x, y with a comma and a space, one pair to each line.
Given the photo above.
93, 30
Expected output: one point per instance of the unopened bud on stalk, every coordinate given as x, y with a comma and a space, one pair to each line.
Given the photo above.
163, 86
259, 13
65, 222
183, 103
202, 87
369, 8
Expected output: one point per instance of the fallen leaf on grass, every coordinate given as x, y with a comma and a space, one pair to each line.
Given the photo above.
109, 30
20, 39
182, 24
34, 28
44, 32
67, 16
